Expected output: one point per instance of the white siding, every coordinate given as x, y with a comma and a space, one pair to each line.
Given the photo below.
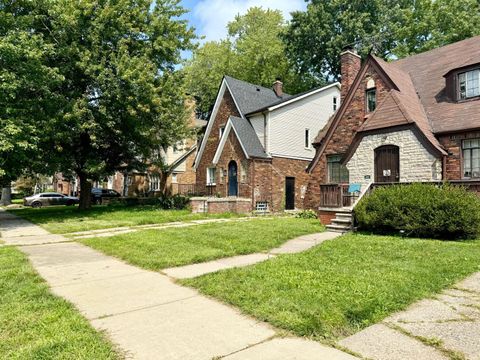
416, 163
287, 124
172, 156
258, 124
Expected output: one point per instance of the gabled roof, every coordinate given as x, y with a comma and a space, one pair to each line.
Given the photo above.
183, 157
246, 136
250, 97
247, 97
290, 99
426, 71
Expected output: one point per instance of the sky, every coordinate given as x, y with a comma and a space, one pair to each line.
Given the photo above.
210, 17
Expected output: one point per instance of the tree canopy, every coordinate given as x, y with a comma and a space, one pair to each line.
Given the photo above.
118, 99
253, 51
390, 28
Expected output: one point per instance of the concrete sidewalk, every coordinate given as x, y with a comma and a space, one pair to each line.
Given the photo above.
442, 328
299, 244
146, 314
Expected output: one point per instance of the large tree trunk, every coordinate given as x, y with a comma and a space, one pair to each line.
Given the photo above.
6, 196
85, 192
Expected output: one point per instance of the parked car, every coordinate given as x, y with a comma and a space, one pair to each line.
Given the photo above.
46, 199
99, 194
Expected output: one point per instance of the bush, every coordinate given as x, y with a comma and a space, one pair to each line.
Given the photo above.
306, 214
177, 202
421, 210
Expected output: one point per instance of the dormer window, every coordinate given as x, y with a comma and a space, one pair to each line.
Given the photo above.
371, 100
469, 84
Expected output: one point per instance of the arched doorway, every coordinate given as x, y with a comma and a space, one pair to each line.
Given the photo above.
232, 178
387, 164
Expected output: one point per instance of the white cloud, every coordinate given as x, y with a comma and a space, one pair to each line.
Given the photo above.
213, 15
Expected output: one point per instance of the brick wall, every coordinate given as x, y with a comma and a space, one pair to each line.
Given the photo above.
353, 117
232, 151
453, 145
226, 109
282, 168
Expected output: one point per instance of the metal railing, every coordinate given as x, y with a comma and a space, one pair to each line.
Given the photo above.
195, 190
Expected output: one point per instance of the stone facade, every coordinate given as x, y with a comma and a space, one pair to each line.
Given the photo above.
416, 163
348, 125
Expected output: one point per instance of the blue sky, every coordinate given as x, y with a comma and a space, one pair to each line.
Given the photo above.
210, 17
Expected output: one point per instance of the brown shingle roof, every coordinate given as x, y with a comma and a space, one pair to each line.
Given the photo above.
426, 71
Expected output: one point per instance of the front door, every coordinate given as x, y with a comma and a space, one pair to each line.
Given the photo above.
387, 164
289, 193
232, 179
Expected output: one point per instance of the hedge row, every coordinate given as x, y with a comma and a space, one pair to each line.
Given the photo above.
421, 210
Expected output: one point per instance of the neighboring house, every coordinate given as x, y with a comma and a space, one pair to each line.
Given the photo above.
412, 120
258, 143
181, 177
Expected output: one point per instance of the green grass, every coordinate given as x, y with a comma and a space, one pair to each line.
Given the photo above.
158, 249
63, 220
343, 285
34, 324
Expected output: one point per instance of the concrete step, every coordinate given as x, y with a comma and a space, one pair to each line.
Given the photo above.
342, 220
343, 215
338, 228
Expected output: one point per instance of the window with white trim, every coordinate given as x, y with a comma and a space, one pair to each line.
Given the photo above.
471, 158
334, 103
211, 175
308, 143
174, 178
469, 84
153, 182
221, 130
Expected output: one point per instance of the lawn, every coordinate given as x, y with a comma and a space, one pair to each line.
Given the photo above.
34, 324
63, 220
158, 249
343, 285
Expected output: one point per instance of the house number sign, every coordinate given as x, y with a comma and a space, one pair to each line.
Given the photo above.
387, 172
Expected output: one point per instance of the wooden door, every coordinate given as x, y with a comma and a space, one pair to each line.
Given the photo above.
232, 179
289, 193
387, 164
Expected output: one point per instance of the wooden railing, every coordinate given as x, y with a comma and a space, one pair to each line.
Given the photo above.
333, 195
194, 190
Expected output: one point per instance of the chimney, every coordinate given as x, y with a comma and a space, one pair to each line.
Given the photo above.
278, 87
350, 63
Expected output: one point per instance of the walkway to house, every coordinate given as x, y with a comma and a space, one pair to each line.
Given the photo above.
144, 312
293, 246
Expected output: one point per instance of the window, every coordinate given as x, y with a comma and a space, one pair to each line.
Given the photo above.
469, 84
337, 173
221, 131
211, 176
334, 103
154, 182
174, 178
471, 158
307, 139
371, 96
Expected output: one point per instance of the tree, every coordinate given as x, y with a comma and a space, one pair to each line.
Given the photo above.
27, 89
253, 52
389, 28
119, 99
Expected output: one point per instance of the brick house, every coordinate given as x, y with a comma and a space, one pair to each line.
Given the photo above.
258, 143
412, 120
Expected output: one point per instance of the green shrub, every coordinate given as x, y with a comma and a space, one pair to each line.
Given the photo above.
421, 210
306, 214
177, 202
